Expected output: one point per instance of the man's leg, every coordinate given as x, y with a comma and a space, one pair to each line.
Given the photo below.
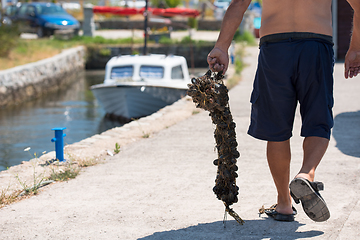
313, 204
314, 149
279, 156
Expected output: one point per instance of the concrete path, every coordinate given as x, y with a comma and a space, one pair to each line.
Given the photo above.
195, 35
136, 33
161, 187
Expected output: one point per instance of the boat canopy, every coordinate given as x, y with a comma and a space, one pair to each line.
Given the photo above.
153, 67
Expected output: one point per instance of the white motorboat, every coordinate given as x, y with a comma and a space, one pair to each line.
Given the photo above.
137, 86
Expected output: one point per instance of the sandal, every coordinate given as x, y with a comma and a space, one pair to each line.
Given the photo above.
313, 204
271, 212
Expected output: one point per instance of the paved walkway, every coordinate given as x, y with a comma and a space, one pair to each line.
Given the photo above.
161, 187
136, 33
195, 35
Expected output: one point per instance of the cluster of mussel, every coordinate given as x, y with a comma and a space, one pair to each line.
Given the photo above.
210, 93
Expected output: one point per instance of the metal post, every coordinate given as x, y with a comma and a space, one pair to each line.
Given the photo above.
59, 143
88, 23
335, 26
145, 27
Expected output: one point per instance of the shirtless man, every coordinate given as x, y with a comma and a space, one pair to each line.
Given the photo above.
295, 65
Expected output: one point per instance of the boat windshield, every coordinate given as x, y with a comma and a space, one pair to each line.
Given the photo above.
122, 72
177, 73
151, 72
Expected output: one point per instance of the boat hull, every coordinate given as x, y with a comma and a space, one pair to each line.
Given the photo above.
129, 101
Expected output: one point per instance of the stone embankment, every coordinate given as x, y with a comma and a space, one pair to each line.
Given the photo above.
32, 80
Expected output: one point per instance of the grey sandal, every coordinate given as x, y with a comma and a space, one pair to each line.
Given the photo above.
313, 204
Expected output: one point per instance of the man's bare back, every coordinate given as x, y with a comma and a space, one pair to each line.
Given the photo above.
281, 16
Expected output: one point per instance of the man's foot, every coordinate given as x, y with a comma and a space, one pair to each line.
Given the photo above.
271, 212
313, 204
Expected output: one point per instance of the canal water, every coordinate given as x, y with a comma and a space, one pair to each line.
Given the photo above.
29, 124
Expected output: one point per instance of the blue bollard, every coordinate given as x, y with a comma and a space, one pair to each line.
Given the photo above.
59, 143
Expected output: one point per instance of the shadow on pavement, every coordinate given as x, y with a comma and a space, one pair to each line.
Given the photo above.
347, 133
252, 229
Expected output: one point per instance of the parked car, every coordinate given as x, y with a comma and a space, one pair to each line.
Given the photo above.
44, 19
5, 20
11, 10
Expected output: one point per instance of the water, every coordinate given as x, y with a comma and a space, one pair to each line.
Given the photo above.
30, 124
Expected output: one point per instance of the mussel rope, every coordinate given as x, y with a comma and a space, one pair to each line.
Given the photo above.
209, 93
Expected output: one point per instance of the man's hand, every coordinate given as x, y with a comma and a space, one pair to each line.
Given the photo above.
218, 60
352, 63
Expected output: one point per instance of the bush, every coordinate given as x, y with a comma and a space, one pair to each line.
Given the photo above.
186, 40
245, 37
173, 3
165, 40
165, 3
9, 36
192, 22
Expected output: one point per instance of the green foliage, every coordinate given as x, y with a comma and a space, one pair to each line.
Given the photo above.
173, 3
192, 22
64, 174
186, 40
135, 52
245, 37
165, 3
9, 36
117, 148
239, 65
86, 40
157, 3
165, 40
37, 178
105, 52
195, 112
22, 47
146, 135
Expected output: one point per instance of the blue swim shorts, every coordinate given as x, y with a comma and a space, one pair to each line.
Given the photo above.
293, 67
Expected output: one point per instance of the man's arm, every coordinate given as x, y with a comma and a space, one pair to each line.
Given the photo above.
352, 58
218, 58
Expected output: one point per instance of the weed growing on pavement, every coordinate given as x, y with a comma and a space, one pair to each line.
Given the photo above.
117, 148
59, 171
195, 112
64, 171
87, 162
6, 199
145, 134
37, 178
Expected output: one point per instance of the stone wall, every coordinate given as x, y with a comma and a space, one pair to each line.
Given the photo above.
32, 80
